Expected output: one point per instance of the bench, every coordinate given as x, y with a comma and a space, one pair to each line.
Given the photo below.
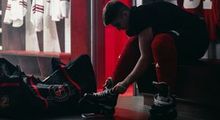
197, 83
197, 90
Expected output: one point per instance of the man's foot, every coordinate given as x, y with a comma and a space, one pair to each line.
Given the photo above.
104, 102
164, 106
162, 88
95, 116
106, 97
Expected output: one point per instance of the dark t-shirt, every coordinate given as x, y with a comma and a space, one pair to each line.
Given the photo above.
191, 36
162, 17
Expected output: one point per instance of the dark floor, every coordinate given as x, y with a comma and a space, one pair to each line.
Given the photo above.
128, 108
137, 107
188, 110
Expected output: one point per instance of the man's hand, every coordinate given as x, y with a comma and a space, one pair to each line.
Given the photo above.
108, 83
121, 88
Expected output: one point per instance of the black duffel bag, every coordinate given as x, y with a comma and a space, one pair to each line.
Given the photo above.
58, 93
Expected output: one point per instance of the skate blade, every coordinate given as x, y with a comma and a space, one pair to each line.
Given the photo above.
94, 116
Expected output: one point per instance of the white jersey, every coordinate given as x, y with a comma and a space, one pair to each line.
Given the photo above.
31, 38
15, 12
37, 13
59, 9
50, 37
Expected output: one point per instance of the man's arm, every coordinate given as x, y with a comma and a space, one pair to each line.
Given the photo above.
145, 39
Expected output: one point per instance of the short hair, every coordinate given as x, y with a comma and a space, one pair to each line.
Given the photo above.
112, 10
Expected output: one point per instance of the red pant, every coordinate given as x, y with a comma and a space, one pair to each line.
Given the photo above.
164, 56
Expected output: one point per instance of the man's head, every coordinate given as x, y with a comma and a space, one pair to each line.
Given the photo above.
116, 14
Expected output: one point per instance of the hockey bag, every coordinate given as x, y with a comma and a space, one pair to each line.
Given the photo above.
12, 96
62, 90
58, 93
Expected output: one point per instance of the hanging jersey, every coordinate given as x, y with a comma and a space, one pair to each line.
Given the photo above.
15, 12
59, 9
31, 38
7, 18
64, 8
208, 9
50, 39
37, 11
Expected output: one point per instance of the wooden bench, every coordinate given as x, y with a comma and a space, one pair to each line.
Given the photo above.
197, 82
197, 90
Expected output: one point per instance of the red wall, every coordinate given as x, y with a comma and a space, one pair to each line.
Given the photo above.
80, 34
107, 44
114, 43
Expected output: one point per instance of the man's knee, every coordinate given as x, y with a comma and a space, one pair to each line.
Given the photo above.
162, 42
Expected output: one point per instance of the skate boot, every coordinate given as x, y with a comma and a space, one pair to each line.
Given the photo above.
164, 106
104, 102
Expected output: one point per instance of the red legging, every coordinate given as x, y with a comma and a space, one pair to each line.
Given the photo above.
164, 56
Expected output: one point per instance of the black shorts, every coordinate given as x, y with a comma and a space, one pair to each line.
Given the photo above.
192, 44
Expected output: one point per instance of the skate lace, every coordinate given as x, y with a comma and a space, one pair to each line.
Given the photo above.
108, 83
103, 93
